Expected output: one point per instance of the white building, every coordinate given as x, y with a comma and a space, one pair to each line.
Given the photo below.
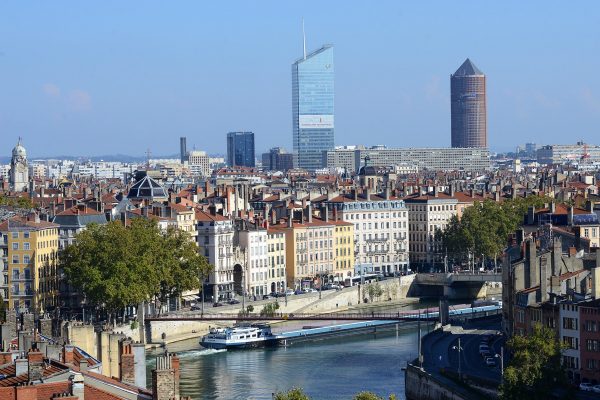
199, 163
569, 335
380, 230
276, 281
215, 239
427, 214
254, 242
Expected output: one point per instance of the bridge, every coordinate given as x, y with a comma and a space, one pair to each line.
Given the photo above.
425, 315
457, 285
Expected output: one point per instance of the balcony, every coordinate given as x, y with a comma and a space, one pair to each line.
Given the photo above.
21, 278
21, 293
377, 240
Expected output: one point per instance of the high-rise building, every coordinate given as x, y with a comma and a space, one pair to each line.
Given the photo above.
312, 107
240, 149
183, 148
468, 106
277, 159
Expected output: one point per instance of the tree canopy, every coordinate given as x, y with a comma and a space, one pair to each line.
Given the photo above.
535, 371
19, 202
484, 228
117, 266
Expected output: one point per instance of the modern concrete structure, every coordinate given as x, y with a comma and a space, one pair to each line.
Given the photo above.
468, 106
568, 153
199, 163
438, 159
240, 149
312, 107
183, 148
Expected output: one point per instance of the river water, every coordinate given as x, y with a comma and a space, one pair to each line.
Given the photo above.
334, 368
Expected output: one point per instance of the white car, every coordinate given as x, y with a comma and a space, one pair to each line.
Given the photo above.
596, 388
586, 387
310, 290
490, 362
289, 292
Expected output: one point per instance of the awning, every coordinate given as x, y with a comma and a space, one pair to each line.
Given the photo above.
190, 297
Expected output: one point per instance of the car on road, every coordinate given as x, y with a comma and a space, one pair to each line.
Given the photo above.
195, 308
217, 304
299, 291
596, 388
233, 301
267, 297
490, 361
585, 386
310, 290
289, 291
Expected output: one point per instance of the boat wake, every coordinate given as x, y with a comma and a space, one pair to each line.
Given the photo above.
203, 352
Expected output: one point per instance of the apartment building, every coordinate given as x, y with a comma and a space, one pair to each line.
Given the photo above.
254, 241
32, 247
215, 240
428, 213
276, 281
380, 225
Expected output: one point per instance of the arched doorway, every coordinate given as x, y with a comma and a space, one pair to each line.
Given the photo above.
273, 287
238, 274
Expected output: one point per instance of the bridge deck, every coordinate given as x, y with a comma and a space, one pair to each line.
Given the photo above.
298, 317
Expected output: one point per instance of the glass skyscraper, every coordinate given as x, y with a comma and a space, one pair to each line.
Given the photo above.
312, 108
240, 149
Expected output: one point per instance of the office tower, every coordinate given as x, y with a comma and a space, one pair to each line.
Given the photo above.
312, 107
183, 148
277, 159
468, 106
240, 149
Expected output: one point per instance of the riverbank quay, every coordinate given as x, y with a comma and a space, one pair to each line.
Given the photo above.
451, 367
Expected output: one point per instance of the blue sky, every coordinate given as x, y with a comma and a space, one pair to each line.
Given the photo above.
121, 77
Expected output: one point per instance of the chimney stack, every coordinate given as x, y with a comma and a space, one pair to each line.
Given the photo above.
35, 361
165, 378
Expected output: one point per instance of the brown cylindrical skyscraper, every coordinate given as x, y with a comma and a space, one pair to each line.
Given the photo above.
468, 106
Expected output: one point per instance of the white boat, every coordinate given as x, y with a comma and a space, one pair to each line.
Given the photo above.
239, 336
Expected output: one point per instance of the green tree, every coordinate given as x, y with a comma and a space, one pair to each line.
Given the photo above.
18, 202
374, 290
371, 396
292, 394
268, 310
535, 370
116, 266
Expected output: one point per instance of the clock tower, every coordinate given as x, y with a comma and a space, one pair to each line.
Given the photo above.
19, 170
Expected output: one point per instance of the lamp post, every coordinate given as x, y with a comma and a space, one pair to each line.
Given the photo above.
459, 350
501, 356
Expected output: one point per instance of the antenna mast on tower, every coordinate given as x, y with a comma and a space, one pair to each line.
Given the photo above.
303, 38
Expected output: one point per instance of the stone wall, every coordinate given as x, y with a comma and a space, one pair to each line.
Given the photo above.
419, 385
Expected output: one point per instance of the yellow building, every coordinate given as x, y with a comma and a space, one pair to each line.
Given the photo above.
317, 248
344, 250
32, 262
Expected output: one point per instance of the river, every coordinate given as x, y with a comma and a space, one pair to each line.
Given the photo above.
335, 368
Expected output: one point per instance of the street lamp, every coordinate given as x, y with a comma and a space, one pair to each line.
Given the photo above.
459, 350
501, 356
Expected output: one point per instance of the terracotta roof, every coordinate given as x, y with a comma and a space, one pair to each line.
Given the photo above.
568, 275
76, 211
116, 383
204, 216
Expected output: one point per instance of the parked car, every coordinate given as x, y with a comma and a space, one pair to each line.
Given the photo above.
310, 290
585, 386
217, 304
289, 291
195, 308
490, 361
233, 301
267, 297
596, 388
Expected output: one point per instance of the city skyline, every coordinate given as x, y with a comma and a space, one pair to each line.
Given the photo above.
60, 88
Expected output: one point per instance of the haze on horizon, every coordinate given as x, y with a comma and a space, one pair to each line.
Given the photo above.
121, 77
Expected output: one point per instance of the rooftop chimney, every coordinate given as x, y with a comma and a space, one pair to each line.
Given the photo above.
35, 360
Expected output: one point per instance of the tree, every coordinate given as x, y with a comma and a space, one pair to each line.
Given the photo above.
371, 396
374, 290
268, 310
483, 229
18, 202
292, 394
535, 370
116, 266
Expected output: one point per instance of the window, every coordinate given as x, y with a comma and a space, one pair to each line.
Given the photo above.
26, 259
15, 246
26, 246
15, 235
15, 259
26, 235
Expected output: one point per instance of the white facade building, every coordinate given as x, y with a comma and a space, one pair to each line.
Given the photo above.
380, 230
254, 242
215, 240
569, 335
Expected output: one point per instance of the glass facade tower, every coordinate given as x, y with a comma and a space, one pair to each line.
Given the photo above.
312, 108
240, 149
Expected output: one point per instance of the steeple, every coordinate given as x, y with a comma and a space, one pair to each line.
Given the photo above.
303, 38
